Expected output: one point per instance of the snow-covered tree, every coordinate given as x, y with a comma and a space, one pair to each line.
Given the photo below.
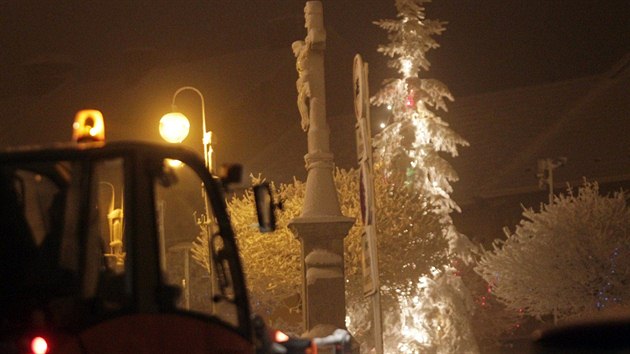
416, 135
417, 240
415, 175
271, 261
572, 257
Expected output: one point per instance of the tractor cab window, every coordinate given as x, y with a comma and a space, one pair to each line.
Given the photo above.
106, 236
190, 244
31, 213
63, 236
93, 243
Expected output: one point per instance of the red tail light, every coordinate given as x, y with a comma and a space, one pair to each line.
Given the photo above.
39, 345
280, 337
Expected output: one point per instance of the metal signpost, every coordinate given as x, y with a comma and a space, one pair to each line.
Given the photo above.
371, 286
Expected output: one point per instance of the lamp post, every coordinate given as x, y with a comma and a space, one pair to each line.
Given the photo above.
174, 128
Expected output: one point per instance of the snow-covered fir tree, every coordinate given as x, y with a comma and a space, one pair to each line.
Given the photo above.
570, 258
409, 156
416, 134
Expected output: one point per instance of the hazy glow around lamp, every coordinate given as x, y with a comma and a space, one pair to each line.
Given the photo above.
174, 127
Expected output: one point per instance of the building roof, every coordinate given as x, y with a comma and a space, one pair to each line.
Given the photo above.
585, 120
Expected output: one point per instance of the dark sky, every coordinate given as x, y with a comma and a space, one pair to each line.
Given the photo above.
489, 44
493, 45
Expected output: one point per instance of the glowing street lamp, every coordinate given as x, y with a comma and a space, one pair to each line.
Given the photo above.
174, 126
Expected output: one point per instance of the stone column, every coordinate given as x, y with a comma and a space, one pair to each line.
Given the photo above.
321, 227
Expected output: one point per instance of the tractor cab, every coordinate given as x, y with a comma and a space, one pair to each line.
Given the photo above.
100, 252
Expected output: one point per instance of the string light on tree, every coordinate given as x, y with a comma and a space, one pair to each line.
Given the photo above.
409, 102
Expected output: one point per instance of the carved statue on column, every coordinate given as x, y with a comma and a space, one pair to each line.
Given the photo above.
303, 50
304, 91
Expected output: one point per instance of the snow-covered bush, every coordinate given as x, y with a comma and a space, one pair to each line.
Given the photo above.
571, 257
271, 261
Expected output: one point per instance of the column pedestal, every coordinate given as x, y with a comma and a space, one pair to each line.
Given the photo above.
323, 292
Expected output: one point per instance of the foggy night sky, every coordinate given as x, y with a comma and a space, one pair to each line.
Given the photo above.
126, 58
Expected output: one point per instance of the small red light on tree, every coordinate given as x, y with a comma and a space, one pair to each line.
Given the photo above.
39, 345
409, 101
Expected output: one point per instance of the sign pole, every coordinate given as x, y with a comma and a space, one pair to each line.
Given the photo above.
371, 284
